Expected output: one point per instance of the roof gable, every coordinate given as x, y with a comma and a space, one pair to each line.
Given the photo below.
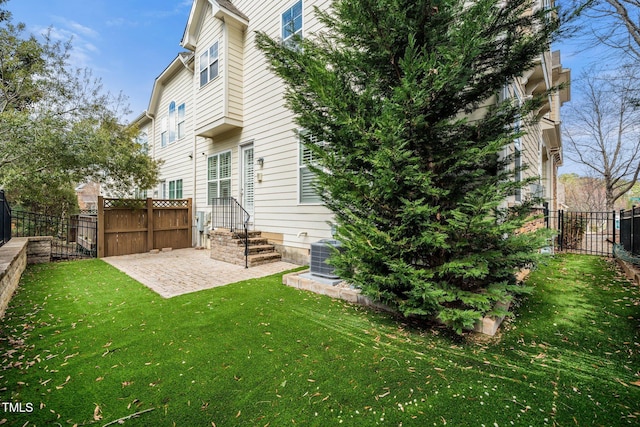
222, 9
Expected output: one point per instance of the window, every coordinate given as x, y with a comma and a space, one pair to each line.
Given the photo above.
181, 119
307, 190
172, 122
143, 140
292, 23
218, 176
175, 189
517, 150
209, 65
164, 137
163, 189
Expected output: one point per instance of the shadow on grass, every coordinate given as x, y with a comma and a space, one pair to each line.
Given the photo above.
85, 344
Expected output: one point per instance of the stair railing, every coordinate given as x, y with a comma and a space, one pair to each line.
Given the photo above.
228, 213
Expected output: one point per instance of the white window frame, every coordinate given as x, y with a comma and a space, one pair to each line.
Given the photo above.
305, 175
177, 191
287, 18
209, 63
517, 149
164, 136
172, 121
180, 119
217, 180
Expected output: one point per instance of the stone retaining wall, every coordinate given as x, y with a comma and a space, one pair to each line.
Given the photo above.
487, 325
14, 257
631, 271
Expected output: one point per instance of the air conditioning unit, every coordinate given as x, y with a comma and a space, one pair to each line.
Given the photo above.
320, 252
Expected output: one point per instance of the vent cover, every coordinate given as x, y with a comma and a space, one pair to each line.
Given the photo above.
320, 252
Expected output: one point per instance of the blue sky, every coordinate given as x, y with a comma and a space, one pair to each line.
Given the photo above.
127, 43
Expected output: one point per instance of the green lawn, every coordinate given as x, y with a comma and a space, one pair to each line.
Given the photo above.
84, 344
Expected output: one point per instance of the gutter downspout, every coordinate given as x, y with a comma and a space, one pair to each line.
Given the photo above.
153, 134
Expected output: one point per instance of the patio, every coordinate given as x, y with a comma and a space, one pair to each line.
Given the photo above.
182, 271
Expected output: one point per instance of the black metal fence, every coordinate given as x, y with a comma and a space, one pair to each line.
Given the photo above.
592, 233
630, 230
73, 237
5, 219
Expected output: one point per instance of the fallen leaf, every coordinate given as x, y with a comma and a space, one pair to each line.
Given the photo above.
636, 383
97, 413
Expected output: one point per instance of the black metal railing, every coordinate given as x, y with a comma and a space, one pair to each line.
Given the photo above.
5, 219
630, 230
73, 237
227, 213
592, 233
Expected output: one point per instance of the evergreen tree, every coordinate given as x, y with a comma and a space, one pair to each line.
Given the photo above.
404, 96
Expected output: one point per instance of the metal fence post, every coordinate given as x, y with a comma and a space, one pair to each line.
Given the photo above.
613, 228
633, 212
561, 229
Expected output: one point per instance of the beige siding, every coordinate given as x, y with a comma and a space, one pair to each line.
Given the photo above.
210, 98
248, 99
175, 155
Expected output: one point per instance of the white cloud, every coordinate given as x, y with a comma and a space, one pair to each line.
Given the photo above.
82, 49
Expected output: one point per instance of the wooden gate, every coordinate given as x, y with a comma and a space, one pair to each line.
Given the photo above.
131, 226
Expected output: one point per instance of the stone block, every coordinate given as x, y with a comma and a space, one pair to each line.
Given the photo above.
349, 295
332, 291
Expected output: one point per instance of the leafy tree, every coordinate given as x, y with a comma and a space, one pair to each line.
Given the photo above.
58, 127
417, 186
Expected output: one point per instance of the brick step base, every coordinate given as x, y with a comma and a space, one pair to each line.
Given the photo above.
228, 246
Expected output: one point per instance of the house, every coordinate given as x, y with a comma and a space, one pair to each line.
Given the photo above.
217, 119
87, 194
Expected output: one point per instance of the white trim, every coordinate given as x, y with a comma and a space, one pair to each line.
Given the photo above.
241, 171
302, 27
218, 154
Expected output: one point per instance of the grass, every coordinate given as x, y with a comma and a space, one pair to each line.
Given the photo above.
86, 345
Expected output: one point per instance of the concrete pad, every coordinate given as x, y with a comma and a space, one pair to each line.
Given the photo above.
182, 271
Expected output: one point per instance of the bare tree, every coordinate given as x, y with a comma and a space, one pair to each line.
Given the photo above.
602, 130
583, 193
615, 24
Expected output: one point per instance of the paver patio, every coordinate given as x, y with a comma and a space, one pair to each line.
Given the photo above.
182, 271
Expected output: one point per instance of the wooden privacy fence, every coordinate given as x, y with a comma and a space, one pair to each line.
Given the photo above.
132, 226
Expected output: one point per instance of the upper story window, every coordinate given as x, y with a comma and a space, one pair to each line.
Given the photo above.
292, 23
172, 127
181, 119
209, 65
143, 140
164, 137
172, 121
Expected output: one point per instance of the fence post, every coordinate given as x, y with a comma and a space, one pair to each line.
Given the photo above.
614, 232
561, 228
100, 227
150, 221
190, 220
632, 232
